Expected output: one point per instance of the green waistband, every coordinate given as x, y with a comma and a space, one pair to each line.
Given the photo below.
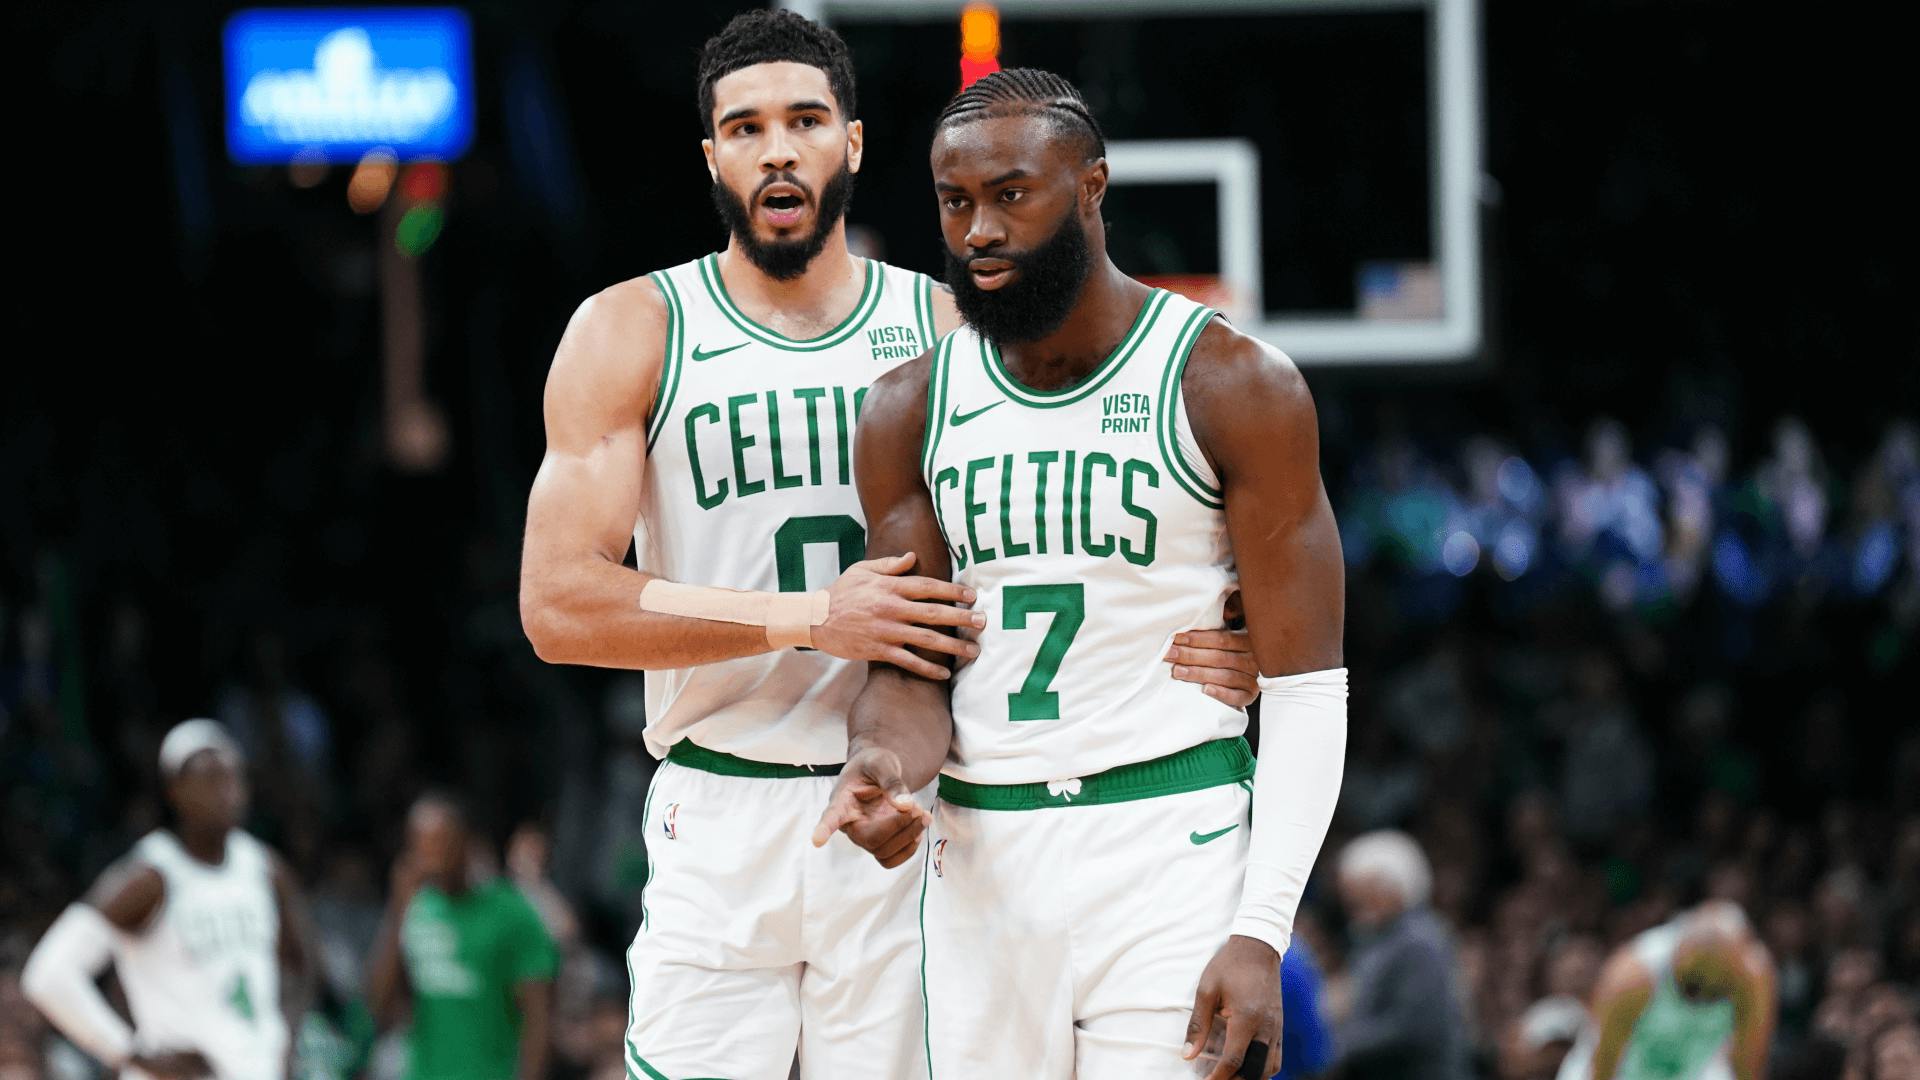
686, 753
1211, 764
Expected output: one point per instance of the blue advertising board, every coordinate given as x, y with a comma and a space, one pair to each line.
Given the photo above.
331, 84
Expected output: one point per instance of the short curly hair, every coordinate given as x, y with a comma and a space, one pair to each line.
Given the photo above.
770, 36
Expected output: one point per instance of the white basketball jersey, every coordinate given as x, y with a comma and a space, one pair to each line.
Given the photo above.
205, 973
1093, 530
749, 485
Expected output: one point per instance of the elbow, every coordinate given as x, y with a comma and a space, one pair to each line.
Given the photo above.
36, 980
541, 621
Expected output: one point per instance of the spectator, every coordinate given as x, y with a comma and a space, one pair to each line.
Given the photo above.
1306, 1044
470, 954
1405, 1019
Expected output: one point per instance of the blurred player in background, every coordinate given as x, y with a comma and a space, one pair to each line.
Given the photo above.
205, 928
713, 403
1690, 1000
1105, 464
467, 952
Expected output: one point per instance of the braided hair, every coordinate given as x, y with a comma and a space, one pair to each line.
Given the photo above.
1028, 92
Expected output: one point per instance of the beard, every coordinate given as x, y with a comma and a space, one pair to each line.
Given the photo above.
784, 260
1046, 284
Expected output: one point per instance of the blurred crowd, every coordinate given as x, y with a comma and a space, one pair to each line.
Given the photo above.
1595, 690
1600, 689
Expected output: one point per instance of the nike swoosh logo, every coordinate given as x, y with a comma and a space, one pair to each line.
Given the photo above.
698, 355
1201, 838
959, 417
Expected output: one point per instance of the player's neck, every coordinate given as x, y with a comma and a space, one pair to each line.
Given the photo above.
814, 290
205, 845
1101, 317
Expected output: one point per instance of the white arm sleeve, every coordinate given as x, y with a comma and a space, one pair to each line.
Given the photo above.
59, 976
1303, 749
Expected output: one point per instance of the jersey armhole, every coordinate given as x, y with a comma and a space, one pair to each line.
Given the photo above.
143, 855
1178, 444
923, 308
935, 424
670, 363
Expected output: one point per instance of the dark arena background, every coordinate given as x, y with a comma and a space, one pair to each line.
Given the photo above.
1607, 309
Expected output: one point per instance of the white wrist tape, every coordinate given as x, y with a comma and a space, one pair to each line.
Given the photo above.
58, 979
788, 617
1296, 784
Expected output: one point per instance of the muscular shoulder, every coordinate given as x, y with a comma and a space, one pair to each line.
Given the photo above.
946, 312
897, 401
1624, 982
129, 893
609, 359
1756, 962
1244, 395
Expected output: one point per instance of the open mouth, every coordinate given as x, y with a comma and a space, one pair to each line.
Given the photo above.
989, 274
781, 205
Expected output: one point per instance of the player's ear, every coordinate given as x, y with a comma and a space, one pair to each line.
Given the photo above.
856, 143
713, 171
1093, 185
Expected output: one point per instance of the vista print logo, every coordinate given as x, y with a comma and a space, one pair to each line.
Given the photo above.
346, 97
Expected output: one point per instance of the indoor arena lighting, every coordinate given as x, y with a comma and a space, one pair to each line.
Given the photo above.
979, 42
372, 181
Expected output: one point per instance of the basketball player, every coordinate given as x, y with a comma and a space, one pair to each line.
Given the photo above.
1690, 1000
204, 926
713, 404
1101, 463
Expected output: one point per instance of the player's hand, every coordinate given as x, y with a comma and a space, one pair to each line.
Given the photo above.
876, 610
1240, 988
871, 804
174, 1065
1220, 661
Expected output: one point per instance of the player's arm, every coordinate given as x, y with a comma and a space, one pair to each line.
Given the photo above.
535, 961
535, 1000
1619, 997
61, 973
1754, 1006
1219, 661
900, 726
579, 605
1255, 420
387, 988
299, 967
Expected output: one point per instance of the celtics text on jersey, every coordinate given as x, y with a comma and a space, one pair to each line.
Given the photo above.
1094, 530
749, 485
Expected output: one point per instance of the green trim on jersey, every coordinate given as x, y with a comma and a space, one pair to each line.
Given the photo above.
1189, 479
633, 1054
936, 423
926, 1003
1053, 399
647, 1071
635, 1061
687, 753
670, 367
1210, 764
646, 842
923, 307
869, 302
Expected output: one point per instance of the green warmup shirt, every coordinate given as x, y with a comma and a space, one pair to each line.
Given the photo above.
464, 956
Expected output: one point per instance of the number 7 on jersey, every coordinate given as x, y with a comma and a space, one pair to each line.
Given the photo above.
1068, 603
